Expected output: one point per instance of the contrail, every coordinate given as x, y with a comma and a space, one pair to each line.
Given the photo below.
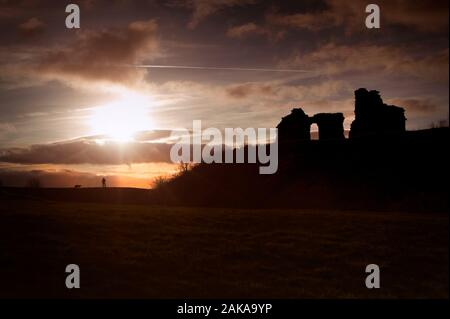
187, 67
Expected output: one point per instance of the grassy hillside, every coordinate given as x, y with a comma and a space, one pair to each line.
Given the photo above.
402, 173
155, 252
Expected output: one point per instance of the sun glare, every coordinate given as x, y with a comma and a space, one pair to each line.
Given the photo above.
120, 120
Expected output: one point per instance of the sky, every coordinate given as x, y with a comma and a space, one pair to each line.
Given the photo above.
75, 107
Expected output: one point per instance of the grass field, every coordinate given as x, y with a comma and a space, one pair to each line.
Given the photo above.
156, 252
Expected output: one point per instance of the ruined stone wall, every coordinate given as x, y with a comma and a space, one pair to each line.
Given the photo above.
331, 125
295, 126
373, 117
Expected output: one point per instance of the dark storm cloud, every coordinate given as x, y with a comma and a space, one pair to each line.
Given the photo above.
31, 27
103, 55
426, 16
88, 152
201, 9
154, 136
244, 90
251, 30
285, 91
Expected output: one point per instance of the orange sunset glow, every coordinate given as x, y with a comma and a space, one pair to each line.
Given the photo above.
103, 99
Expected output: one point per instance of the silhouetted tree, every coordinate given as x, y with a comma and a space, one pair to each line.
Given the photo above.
183, 168
159, 182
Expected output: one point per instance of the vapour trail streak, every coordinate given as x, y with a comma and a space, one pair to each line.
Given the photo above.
187, 67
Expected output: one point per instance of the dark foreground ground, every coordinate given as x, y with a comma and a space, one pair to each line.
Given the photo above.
153, 252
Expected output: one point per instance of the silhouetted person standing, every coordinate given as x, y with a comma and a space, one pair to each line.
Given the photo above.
104, 182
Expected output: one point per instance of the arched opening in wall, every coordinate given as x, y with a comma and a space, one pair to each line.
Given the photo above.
347, 124
314, 133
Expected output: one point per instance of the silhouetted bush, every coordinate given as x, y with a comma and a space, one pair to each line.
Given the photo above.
183, 168
159, 182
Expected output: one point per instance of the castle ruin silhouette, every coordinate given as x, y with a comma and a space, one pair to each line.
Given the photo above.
372, 118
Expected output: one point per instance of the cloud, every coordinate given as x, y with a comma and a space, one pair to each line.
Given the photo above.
308, 21
88, 152
416, 106
205, 8
6, 129
31, 27
251, 29
103, 55
335, 59
424, 16
245, 30
285, 92
240, 91
157, 136
427, 16
10, 9
250, 104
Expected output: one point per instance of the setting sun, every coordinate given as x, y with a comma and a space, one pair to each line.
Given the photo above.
120, 120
